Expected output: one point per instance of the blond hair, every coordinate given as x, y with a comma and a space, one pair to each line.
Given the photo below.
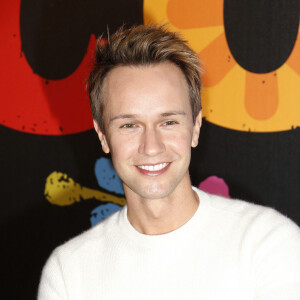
142, 45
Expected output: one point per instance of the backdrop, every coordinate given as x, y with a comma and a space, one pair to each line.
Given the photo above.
56, 181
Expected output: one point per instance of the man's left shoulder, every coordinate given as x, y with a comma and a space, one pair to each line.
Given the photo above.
258, 217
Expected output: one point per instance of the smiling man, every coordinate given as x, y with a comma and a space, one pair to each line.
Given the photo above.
149, 130
171, 240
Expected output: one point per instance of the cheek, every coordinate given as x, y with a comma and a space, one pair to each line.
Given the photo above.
180, 141
122, 147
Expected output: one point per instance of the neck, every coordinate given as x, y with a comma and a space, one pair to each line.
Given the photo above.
159, 216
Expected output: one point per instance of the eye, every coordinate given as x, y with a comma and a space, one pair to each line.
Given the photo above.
170, 123
129, 125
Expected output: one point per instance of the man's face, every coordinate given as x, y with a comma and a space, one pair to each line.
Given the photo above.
149, 128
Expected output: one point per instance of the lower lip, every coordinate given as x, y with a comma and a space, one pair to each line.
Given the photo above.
154, 173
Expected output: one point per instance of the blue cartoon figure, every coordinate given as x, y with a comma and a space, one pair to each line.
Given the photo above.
109, 180
101, 212
107, 177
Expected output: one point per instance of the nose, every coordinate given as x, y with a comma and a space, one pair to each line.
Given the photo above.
151, 142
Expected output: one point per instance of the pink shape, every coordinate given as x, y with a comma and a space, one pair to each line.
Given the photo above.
215, 185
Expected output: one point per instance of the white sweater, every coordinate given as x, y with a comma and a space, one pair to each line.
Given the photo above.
229, 249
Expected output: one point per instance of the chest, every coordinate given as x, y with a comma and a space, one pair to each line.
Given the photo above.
193, 272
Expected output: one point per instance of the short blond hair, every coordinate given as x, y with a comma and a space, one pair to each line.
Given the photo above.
142, 45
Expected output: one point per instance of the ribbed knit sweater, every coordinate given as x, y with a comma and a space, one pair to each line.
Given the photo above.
229, 249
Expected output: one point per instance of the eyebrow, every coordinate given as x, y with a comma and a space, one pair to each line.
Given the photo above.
173, 113
127, 116
133, 116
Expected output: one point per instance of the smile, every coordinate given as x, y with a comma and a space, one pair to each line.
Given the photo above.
157, 167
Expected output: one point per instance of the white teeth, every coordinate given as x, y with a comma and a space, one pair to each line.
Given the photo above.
153, 167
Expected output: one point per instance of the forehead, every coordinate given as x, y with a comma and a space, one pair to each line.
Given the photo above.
148, 89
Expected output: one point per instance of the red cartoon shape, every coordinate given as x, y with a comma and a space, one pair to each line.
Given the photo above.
33, 104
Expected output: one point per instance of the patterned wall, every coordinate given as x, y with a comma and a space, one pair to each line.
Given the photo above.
56, 181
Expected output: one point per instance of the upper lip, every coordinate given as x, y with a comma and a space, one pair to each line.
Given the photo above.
164, 162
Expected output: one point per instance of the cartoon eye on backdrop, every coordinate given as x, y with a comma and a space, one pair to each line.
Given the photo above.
46, 54
251, 63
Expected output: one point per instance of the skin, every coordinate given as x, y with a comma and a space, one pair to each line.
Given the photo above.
148, 121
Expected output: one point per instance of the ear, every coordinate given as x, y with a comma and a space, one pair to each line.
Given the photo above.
196, 129
102, 137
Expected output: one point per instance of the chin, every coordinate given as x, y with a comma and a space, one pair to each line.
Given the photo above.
153, 191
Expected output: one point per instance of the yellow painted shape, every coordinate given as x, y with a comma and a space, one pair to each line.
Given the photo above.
61, 189
155, 12
223, 106
224, 103
200, 38
218, 61
288, 113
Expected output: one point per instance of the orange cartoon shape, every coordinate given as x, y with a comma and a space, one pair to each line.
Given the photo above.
237, 94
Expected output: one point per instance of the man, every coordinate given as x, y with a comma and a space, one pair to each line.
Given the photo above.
171, 241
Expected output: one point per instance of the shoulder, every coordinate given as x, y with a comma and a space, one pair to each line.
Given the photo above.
87, 241
244, 212
252, 224
268, 240
76, 258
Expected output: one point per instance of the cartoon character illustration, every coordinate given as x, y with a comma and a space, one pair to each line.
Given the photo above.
107, 177
247, 84
62, 190
215, 185
103, 211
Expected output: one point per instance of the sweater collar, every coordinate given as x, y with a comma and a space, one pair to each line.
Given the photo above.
180, 234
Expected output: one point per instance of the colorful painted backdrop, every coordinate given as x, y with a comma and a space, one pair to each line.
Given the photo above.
56, 181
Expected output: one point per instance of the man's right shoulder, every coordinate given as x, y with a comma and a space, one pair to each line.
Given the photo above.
94, 237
